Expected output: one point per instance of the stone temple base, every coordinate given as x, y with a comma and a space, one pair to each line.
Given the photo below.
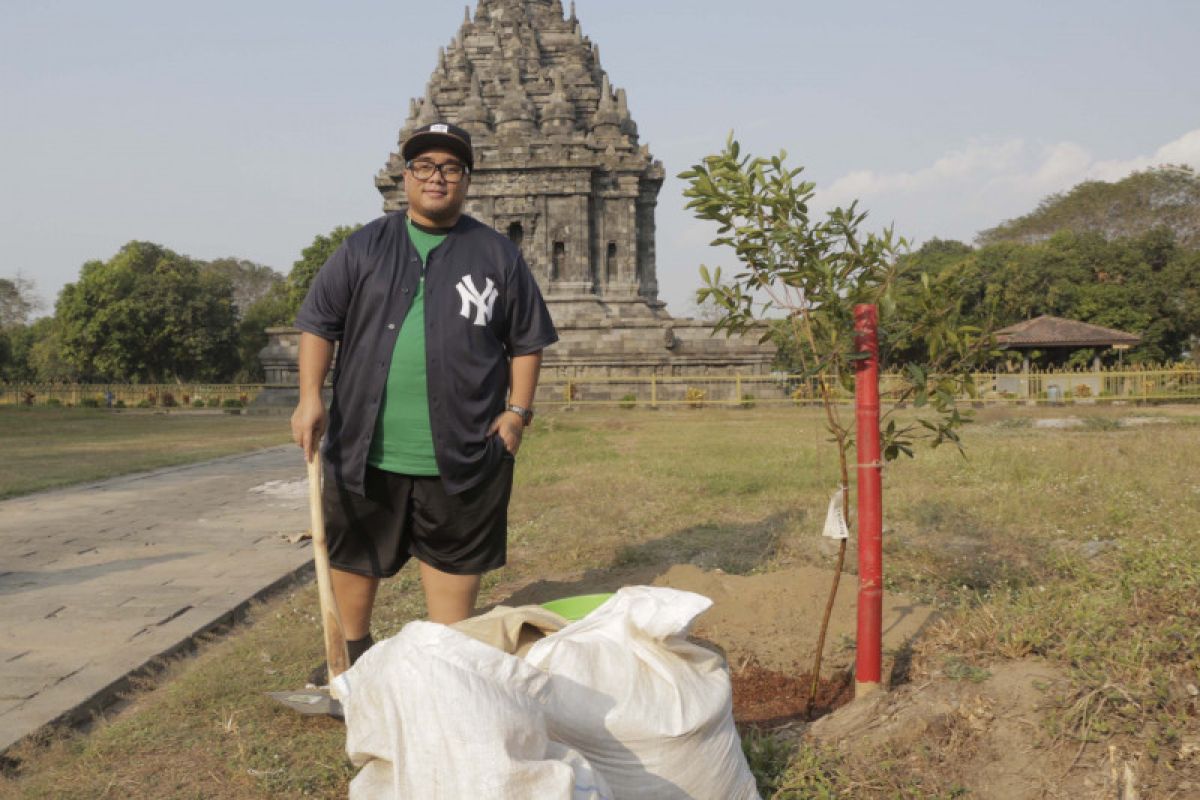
635, 338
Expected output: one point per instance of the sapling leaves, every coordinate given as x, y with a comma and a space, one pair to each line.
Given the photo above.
814, 271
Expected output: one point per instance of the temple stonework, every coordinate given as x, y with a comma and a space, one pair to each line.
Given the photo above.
558, 167
560, 170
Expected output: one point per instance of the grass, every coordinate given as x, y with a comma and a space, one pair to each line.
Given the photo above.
45, 448
1081, 546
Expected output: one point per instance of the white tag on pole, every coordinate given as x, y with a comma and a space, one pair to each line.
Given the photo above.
835, 523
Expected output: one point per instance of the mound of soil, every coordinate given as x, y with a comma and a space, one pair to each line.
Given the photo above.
763, 698
773, 620
984, 734
768, 625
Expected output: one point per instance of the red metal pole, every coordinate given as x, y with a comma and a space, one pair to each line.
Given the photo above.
870, 503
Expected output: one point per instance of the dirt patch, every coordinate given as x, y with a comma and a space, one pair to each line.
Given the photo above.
773, 620
983, 733
764, 698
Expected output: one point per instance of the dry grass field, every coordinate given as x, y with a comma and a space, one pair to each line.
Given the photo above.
1073, 549
49, 447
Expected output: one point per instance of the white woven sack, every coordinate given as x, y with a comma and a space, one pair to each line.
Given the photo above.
649, 710
432, 714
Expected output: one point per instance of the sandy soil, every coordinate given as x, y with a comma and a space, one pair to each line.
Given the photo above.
774, 619
984, 731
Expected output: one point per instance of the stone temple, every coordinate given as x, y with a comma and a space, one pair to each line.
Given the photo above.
560, 169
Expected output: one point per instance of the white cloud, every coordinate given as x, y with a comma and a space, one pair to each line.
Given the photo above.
1184, 150
966, 164
984, 182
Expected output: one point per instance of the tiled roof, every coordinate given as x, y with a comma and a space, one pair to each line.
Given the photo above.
1048, 331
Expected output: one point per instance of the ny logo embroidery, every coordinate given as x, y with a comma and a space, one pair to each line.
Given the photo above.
483, 301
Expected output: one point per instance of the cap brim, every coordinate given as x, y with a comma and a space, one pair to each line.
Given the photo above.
420, 142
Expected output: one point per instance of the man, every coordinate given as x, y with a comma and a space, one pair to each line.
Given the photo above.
442, 327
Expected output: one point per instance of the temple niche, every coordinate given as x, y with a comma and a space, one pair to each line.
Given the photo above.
560, 170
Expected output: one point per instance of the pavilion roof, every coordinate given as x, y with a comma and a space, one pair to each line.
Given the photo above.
1048, 331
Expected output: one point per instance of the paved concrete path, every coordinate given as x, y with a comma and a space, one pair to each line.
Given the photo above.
96, 581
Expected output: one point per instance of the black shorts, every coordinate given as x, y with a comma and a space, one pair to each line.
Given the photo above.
402, 517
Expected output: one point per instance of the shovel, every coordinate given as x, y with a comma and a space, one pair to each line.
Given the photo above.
337, 659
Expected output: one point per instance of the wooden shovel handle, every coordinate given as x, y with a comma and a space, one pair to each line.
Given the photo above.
336, 655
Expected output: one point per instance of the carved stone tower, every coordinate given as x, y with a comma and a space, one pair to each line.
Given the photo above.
558, 166
559, 169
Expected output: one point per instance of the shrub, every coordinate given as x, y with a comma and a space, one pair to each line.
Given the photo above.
694, 397
168, 400
629, 400
197, 403
90, 402
118, 404
232, 402
747, 400
54, 402
214, 402
145, 404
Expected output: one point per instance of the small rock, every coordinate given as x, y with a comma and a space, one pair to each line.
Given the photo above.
1095, 547
1189, 747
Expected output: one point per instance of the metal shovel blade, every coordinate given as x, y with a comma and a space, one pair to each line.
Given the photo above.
310, 702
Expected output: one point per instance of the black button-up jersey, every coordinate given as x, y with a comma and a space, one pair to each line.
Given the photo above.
482, 306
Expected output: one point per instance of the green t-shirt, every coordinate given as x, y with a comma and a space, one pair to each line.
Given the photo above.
403, 440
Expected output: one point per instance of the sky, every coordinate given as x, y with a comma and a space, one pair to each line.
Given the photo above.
245, 128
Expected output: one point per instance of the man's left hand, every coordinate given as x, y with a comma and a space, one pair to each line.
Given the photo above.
511, 427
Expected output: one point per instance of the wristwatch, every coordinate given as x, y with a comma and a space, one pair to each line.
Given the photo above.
526, 414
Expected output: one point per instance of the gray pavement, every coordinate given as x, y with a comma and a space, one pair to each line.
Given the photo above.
98, 581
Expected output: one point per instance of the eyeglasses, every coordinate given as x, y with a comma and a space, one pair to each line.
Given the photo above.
451, 171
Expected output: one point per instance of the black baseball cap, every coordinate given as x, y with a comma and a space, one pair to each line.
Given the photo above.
439, 134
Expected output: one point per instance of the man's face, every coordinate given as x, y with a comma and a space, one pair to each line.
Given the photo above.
435, 201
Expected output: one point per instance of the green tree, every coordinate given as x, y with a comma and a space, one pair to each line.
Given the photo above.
147, 314
1148, 285
251, 282
271, 310
43, 355
260, 301
17, 301
312, 258
276, 303
8, 364
16, 348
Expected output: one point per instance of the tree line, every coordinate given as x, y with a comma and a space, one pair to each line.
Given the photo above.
1124, 255
151, 315
1147, 284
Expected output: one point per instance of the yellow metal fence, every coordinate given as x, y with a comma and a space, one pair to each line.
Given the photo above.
1180, 384
1103, 386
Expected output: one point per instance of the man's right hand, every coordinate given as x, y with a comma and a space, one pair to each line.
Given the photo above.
308, 424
